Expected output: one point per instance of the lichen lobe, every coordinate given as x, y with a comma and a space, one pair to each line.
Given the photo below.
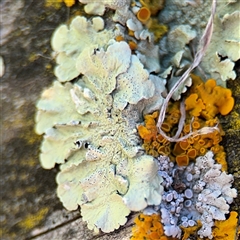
96, 143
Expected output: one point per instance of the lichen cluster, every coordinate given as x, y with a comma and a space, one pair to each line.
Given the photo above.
190, 198
199, 192
148, 227
186, 20
205, 101
110, 75
89, 127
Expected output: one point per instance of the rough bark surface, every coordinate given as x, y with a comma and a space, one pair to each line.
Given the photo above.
29, 207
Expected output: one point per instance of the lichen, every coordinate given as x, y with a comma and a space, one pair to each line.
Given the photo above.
68, 43
57, 3
89, 123
225, 44
157, 29
194, 196
148, 227
153, 5
208, 100
188, 231
98, 7
143, 14
33, 220
205, 101
226, 229
90, 129
222, 53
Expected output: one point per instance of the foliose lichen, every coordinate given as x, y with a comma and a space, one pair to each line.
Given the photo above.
69, 41
89, 128
91, 113
197, 192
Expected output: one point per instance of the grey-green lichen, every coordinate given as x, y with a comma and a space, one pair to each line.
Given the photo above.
89, 128
223, 50
186, 21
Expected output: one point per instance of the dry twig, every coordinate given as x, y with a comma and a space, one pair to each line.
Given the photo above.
204, 42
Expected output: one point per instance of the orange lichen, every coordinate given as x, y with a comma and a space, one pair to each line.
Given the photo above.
132, 45
197, 145
57, 3
69, 3
192, 153
148, 228
184, 145
119, 38
208, 99
143, 14
181, 152
131, 33
188, 231
177, 150
146, 133
220, 156
226, 230
182, 160
196, 124
156, 28
153, 5
194, 105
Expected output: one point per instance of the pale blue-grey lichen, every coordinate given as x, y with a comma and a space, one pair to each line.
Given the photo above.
199, 191
89, 128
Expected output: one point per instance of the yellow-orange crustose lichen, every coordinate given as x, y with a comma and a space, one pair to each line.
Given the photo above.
148, 228
201, 112
57, 3
143, 14
153, 5
208, 99
153, 25
156, 28
69, 3
188, 231
227, 229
